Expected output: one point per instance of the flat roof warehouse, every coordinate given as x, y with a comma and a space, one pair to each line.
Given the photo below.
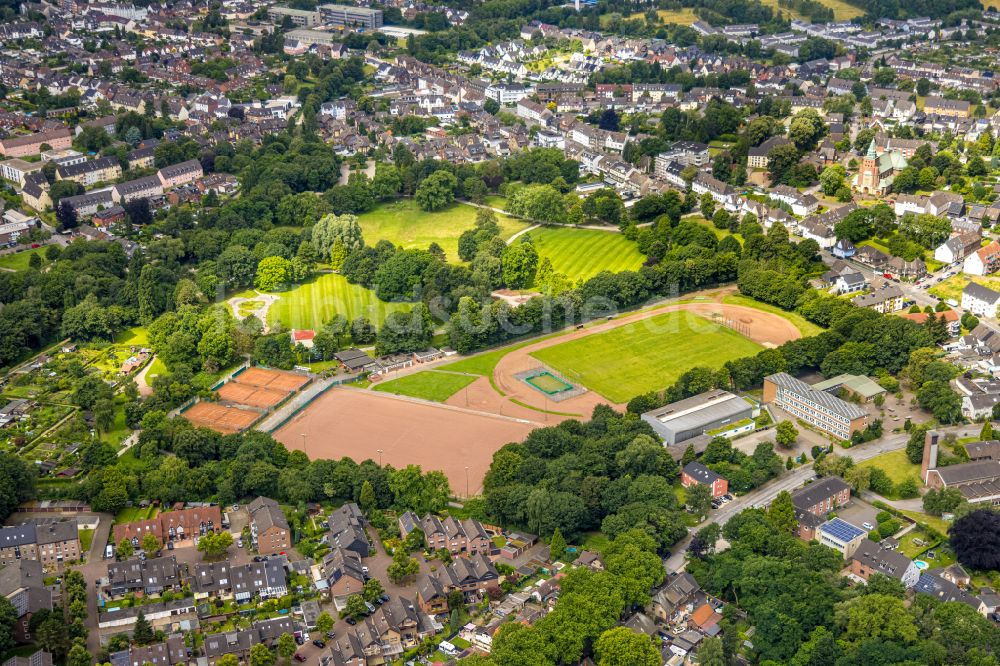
692, 416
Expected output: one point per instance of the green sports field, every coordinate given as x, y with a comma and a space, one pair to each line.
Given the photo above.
405, 225
583, 253
313, 303
429, 385
646, 355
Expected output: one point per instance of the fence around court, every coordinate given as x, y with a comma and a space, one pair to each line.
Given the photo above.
308, 400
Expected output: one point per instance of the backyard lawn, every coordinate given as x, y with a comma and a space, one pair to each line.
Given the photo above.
19, 260
405, 225
311, 304
137, 335
583, 253
647, 355
428, 385
681, 16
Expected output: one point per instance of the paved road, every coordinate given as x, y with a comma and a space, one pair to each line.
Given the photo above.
788, 481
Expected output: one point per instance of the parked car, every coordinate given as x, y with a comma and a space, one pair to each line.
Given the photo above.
868, 526
298, 657
299, 640
319, 643
350, 620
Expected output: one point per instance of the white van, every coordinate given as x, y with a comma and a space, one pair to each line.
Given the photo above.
109, 552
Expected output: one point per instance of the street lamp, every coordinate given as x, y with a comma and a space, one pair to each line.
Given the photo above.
379, 452
304, 450
466, 482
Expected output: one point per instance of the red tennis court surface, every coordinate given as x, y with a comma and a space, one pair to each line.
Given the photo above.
272, 379
254, 396
353, 423
227, 420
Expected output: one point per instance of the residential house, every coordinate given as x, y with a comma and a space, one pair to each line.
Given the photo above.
958, 247
255, 580
983, 261
842, 536
757, 157
22, 583
871, 558
694, 473
813, 502
172, 525
90, 172
979, 300
146, 187
51, 542
239, 642
343, 575
171, 652
472, 575
176, 175
32, 144
887, 298
347, 530
934, 584
151, 575
680, 590
954, 108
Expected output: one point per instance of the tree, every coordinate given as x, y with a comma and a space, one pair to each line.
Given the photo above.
987, 432
125, 549
150, 543
781, 513
142, 634
621, 646
436, 191
8, 621
557, 545
78, 656
402, 566
975, 538
698, 498
342, 231
519, 264
780, 161
272, 273
261, 655
373, 590
286, 646
876, 616
324, 623
66, 215
215, 545
785, 434
366, 499
228, 660
711, 654
355, 606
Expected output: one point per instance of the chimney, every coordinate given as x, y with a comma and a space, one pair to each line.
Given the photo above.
930, 457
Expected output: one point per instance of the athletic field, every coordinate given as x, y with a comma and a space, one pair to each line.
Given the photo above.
428, 385
583, 253
311, 304
405, 225
646, 355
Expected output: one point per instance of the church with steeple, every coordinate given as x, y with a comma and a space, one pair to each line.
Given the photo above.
877, 172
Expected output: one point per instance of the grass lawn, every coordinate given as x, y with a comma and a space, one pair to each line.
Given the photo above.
682, 16
646, 355
719, 233
19, 260
157, 367
805, 326
86, 539
595, 542
428, 385
896, 465
313, 303
583, 253
953, 286
404, 224
130, 513
936, 522
137, 335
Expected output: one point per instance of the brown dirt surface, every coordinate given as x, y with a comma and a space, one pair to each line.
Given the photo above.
227, 420
252, 396
357, 423
272, 379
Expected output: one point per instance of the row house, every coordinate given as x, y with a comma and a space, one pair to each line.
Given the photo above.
457, 536
888, 298
472, 575
85, 205
255, 580
723, 194
397, 626
172, 525
147, 576
171, 652
50, 542
239, 642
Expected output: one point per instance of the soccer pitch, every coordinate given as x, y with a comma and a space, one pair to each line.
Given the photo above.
647, 355
311, 304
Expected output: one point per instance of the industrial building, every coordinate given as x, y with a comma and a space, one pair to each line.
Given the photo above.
715, 412
299, 17
351, 17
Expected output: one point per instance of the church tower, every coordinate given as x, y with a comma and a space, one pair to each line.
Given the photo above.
868, 179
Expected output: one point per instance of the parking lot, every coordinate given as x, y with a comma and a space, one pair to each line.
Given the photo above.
858, 512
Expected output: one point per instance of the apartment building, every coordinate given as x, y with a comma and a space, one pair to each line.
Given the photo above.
90, 172
32, 144
269, 527
813, 502
696, 474
350, 17
818, 408
150, 576
979, 300
140, 188
176, 175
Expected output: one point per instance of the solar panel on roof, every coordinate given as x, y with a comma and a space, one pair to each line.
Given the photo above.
842, 530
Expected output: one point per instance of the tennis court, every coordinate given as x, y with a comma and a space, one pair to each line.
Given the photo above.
277, 380
227, 420
546, 382
253, 396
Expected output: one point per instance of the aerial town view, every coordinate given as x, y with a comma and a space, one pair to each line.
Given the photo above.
500, 333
